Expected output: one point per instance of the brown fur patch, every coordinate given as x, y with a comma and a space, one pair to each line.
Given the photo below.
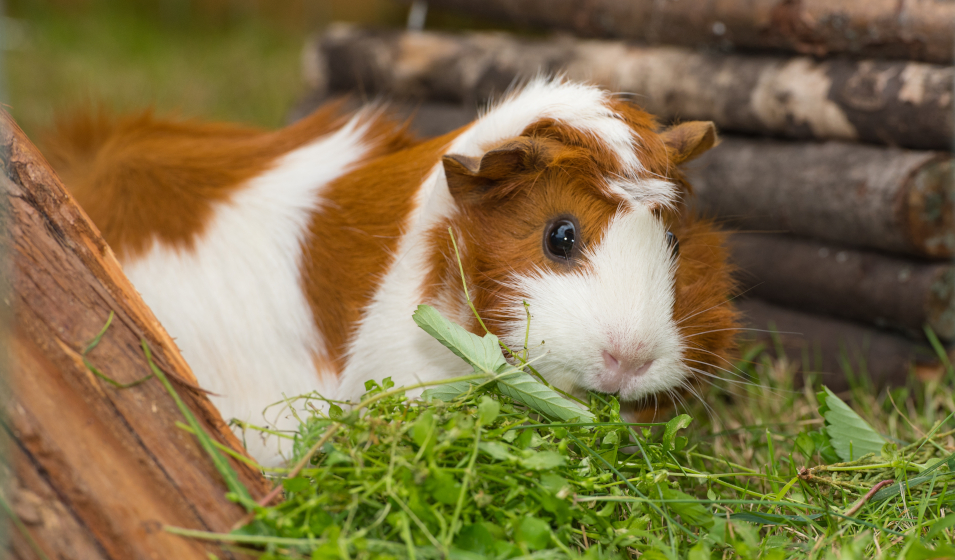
354, 236
141, 178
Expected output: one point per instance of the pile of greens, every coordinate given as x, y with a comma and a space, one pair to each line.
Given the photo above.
498, 465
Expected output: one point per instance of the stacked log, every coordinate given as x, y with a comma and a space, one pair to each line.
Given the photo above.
887, 102
92, 470
836, 172
914, 30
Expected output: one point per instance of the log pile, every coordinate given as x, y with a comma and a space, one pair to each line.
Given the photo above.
835, 172
91, 470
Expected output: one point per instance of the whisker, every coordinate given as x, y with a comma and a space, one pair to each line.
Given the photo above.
744, 329
740, 373
743, 377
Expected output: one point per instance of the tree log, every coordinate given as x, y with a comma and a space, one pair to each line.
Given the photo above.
99, 470
835, 280
896, 103
826, 346
914, 30
884, 198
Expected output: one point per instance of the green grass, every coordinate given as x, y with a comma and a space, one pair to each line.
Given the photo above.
126, 59
233, 60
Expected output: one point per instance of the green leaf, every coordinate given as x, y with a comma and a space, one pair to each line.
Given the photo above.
533, 532
944, 523
442, 486
544, 460
850, 435
918, 551
495, 450
700, 551
297, 484
541, 398
488, 410
691, 510
761, 518
482, 353
475, 538
805, 445
335, 412
673, 426
448, 391
485, 356
612, 438
422, 431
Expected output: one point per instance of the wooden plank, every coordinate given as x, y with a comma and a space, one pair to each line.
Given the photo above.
109, 461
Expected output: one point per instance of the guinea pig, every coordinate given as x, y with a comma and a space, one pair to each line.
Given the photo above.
290, 262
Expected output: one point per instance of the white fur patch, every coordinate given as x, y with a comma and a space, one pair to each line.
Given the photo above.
389, 343
581, 106
620, 301
648, 192
235, 303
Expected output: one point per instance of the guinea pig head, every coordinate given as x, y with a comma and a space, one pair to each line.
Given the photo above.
612, 284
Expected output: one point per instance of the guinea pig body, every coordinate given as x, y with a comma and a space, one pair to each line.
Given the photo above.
290, 262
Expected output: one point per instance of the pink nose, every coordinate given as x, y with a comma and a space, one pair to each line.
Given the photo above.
612, 363
615, 366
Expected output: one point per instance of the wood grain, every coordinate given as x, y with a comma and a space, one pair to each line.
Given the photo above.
98, 469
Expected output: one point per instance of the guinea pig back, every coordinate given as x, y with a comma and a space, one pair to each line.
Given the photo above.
291, 261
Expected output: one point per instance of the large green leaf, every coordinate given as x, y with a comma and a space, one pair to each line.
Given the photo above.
482, 353
485, 356
525, 389
850, 435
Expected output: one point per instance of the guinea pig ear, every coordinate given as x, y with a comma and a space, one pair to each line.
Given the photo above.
689, 140
470, 176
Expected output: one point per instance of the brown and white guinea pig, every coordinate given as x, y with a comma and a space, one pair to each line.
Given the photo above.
291, 261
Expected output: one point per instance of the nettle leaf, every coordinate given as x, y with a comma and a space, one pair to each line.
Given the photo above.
482, 353
850, 435
531, 392
485, 356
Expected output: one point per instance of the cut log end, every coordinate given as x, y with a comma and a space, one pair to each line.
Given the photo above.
930, 209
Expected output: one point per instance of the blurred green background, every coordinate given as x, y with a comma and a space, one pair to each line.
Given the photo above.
234, 60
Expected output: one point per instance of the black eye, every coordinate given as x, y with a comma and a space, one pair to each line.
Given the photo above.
559, 239
673, 243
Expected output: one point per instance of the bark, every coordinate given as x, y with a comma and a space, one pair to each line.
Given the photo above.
913, 29
895, 103
884, 198
864, 286
829, 347
99, 470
